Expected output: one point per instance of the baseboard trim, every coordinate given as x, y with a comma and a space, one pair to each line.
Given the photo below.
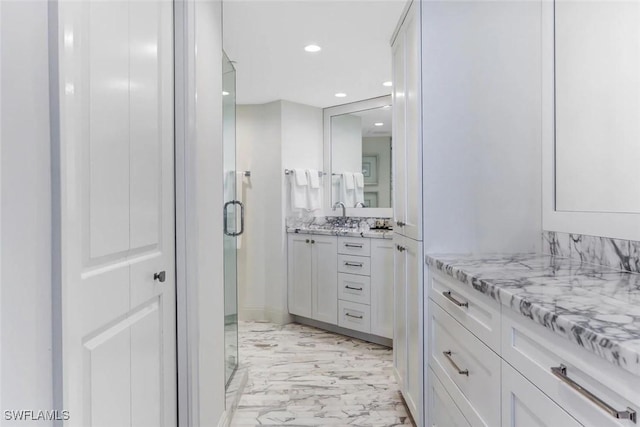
344, 331
233, 395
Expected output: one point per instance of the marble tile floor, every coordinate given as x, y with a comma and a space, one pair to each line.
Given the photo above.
303, 376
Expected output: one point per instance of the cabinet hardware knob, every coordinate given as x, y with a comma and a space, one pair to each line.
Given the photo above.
561, 373
448, 354
308, 241
400, 248
400, 223
160, 277
313, 241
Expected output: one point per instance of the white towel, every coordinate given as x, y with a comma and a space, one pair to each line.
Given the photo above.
314, 192
347, 190
314, 178
301, 176
299, 191
359, 179
348, 180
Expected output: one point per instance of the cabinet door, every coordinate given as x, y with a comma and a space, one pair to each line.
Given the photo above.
324, 279
382, 252
443, 412
414, 313
398, 125
299, 274
524, 405
413, 124
400, 312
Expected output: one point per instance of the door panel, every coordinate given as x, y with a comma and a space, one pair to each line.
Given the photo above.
117, 212
107, 75
398, 124
414, 265
145, 125
107, 359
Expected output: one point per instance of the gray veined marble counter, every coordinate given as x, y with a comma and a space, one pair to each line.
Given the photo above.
595, 307
374, 234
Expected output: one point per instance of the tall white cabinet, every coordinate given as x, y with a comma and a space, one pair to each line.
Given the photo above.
407, 180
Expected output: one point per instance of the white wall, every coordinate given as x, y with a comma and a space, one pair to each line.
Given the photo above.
258, 151
25, 208
381, 147
482, 125
271, 138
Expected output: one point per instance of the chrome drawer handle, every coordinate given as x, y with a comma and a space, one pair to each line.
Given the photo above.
355, 289
351, 315
447, 295
447, 354
629, 414
353, 264
351, 245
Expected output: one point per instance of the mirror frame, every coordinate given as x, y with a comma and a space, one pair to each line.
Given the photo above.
338, 110
604, 224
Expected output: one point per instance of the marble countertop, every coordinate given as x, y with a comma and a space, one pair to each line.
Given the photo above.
348, 232
595, 307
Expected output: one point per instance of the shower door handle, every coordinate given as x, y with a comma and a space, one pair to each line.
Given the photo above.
226, 218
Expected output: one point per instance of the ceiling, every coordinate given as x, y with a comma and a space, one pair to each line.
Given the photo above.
266, 39
376, 115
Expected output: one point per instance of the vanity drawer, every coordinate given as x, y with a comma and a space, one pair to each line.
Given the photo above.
354, 246
534, 351
474, 310
354, 288
354, 264
467, 368
442, 409
354, 316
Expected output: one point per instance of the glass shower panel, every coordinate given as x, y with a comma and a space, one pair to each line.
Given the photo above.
232, 223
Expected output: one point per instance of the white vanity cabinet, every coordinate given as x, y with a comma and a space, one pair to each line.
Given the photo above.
495, 367
344, 281
313, 277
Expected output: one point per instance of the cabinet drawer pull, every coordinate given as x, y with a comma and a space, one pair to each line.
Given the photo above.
561, 372
447, 295
353, 245
355, 289
353, 264
447, 354
351, 315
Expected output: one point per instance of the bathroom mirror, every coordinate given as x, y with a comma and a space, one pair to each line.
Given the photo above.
360, 144
592, 131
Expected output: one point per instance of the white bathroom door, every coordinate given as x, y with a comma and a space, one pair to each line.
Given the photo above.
117, 266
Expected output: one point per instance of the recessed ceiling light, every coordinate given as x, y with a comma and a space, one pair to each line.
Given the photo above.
340, 95
387, 84
225, 93
312, 48
378, 124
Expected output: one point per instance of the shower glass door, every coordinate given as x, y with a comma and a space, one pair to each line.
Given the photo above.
233, 219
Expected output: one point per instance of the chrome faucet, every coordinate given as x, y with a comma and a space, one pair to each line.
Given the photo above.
344, 208
362, 205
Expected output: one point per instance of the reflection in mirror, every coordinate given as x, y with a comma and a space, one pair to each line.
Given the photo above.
361, 158
597, 84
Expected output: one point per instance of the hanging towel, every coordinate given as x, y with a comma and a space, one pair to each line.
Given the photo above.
348, 180
359, 184
301, 176
359, 179
314, 178
299, 189
314, 192
347, 189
